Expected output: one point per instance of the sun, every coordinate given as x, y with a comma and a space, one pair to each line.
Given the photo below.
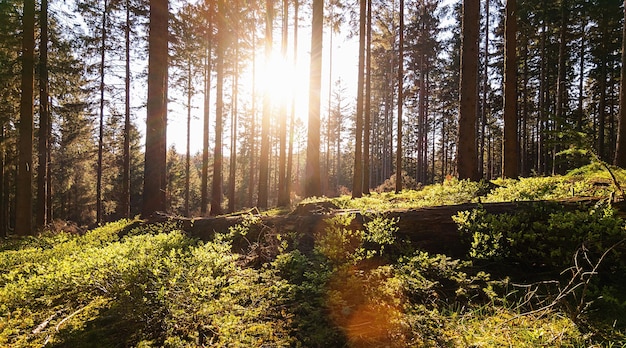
279, 78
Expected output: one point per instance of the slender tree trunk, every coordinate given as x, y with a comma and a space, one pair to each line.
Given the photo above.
326, 171
561, 82
125, 199
44, 119
510, 158
601, 110
581, 80
400, 99
357, 180
232, 178
466, 151
483, 122
24, 195
216, 192
368, 102
293, 100
620, 152
155, 179
188, 152
264, 160
101, 125
313, 179
204, 195
3, 188
283, 194
251, 175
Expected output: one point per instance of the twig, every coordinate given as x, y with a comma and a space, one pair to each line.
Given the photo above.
71, 315
45, 323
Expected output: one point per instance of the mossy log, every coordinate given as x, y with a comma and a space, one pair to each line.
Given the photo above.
431, 228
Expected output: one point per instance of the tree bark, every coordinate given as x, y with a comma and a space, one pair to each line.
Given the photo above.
466, 151
101, 124
264, 159
313, 180
216, 192
368, 101
510, 157
204, 185
293, 100
44, 119
283, 193
400, 99
24, 195
232, 177
125, 199
620, 152
155, 181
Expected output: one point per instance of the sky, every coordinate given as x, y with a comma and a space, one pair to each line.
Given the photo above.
345, 60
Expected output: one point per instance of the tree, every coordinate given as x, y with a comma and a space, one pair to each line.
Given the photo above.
510, 157
125, 198
264, 156
466, 150
283, 193
103, 32
313, 185
368, 102
44, 120
204, 199
400, 99
24, 213
357, 179
216, 188
620, 152
293, 97
156, 122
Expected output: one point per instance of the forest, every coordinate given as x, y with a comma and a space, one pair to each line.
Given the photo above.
86, 123
405, 173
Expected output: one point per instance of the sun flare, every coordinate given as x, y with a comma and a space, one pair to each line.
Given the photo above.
279, 78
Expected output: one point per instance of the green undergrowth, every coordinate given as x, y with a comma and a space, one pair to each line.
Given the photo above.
152, 286
592, 181
539, 277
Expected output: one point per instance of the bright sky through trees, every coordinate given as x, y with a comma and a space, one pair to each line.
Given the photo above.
280, 78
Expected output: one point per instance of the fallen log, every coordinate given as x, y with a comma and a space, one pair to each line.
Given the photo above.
430, 228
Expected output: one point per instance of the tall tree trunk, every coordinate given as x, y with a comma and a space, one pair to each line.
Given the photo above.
293, 100
204, 185
101, 125
510, 158
368, 102
561, 82
216, 192
251, 175
264, 159
313, 179
602, 109
24, 195
3, 188
155, 180
44, 119
357, 179
620, 152
400, 99
125, 199
483, 109
466, 151
232, 177
326, 171
283, 194
188, 152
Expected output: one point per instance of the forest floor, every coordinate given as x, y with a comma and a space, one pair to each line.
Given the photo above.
524, 263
